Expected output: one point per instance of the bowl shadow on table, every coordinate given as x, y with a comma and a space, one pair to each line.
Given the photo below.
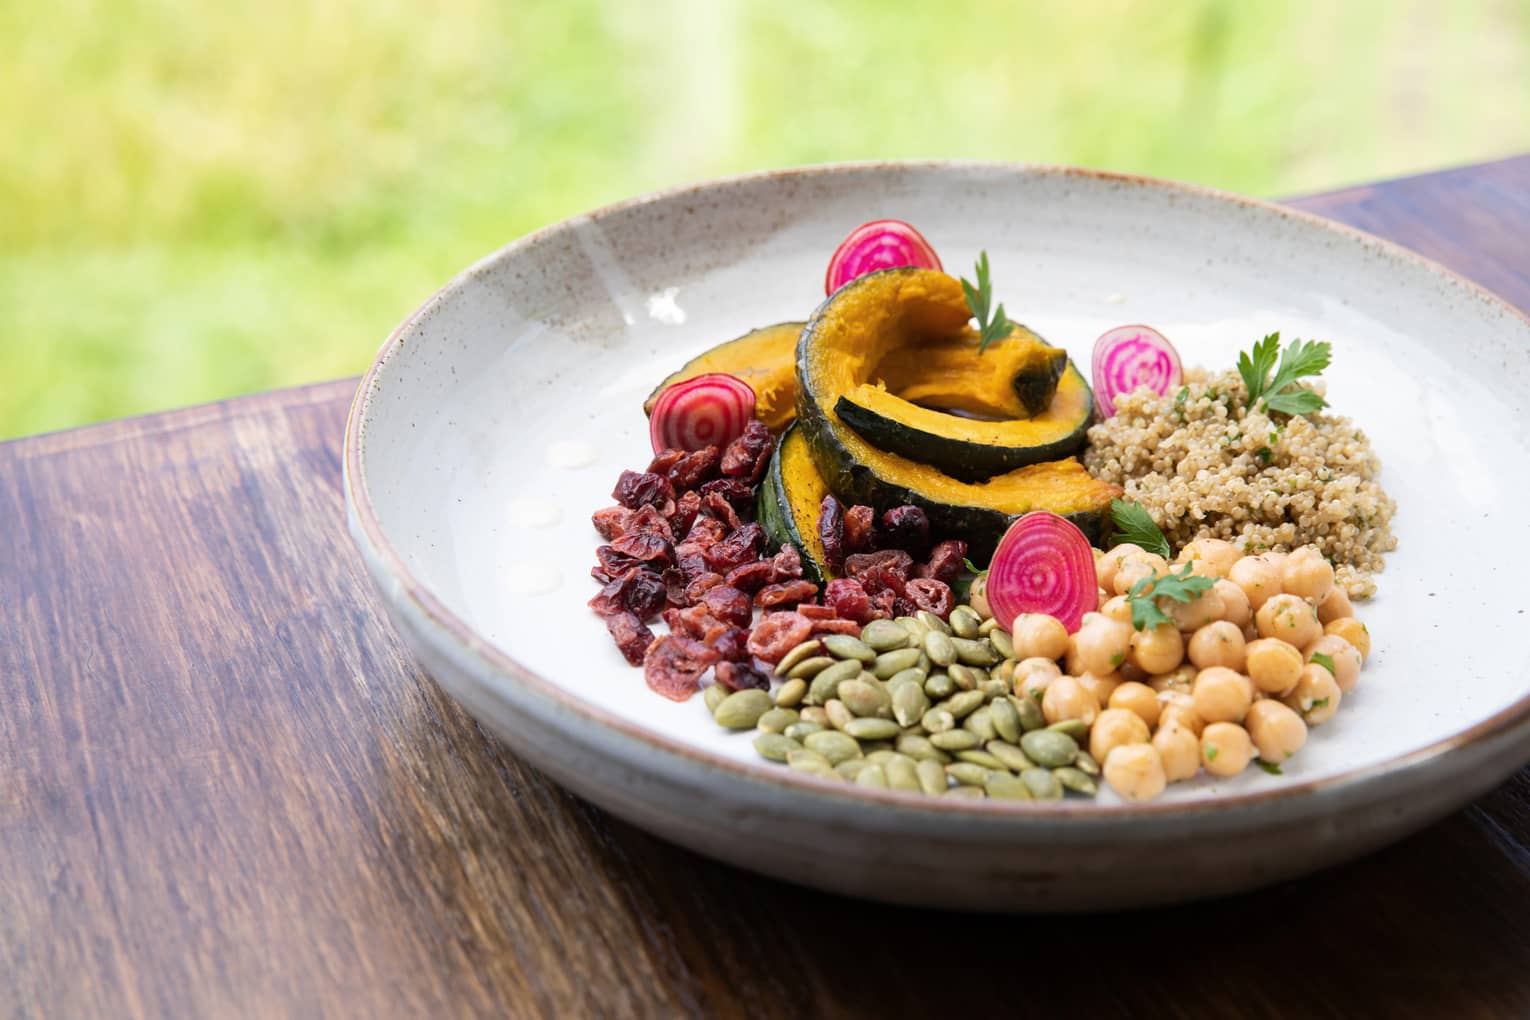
1423, 928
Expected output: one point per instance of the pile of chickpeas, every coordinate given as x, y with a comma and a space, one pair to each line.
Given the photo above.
1230, 678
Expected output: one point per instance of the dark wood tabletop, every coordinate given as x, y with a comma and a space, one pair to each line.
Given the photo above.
226, 791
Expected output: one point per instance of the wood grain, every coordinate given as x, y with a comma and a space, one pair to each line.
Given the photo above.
225, 790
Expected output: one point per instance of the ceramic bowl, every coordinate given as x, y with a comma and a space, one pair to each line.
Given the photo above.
498, 415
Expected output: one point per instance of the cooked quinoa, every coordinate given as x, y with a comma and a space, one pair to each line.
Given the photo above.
1205, 467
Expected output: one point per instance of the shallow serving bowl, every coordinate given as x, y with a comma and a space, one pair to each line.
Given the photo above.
497, 417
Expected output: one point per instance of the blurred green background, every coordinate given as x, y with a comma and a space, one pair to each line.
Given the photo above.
199, 200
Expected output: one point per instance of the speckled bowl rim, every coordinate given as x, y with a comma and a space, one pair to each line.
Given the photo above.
843, 795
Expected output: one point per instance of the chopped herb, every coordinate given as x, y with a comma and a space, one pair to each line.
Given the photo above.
1318, 703
1269, 767
1301, 359
1179, 402
1264, 455
1118, 658
1211, 752
1135, 525
1181, 587
979, 300
972, 568
1326, 661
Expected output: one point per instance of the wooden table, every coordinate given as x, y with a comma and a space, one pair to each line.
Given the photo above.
225, 790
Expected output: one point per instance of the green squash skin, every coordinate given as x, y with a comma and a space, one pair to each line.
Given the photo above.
775, 516
1037, 389
969, 462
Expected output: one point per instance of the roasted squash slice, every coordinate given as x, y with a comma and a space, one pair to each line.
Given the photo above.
790, 497
763, 358
848, 337
1015, 377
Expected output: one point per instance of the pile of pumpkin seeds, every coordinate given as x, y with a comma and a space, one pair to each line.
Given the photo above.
918, 704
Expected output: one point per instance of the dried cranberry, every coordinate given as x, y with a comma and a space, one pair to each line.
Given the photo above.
648, 521
813, 611
684, 513
778, 633
635, 489
904, 606
692, 565
785, 593
640, 592
647, 548
695, 623
831, 531
848, 598
837, 626
729, 605
743, 545
614, 563
737, 676
860, 529
716, 505
631, 635
696, 467
734, 645
931, 595
705, 533
673, 666
664, 460
907, 528
786, 565
880, 578
695, 589
751, 577
674, 584
884, 604
735, 490
748, 455
611, 521
895, 560
945, 561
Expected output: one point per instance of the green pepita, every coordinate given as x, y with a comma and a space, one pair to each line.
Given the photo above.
1086, 764
895, 661
903, 677
939, 648
807, 755
812, 766
940, 685
839, 713
1075, 728
1013, 758
937, 720
865, 700
833, 745
1003, 786
777, 720
775, 747
1051, 748
796, 655
810, 667
826, 684
713, 696
843, 646
791, 693
884, 636
966, 677
919, 748
852, 768
902, 774
992, 689
1031, 717
1042, 784
981, 723
975, 653
799, 730
932, 776
742, 709
954, 740
987, 626
965, 622
966, 793
872, 775
1002, 642
1006, 719
932, 622
963, 703
1076, 780
909, 704
1005, 671
968, 774
871, 729
980, 757
814, 714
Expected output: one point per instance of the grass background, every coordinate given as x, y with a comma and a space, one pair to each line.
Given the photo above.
199, 200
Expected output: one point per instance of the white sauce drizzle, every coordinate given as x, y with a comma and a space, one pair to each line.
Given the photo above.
572, 454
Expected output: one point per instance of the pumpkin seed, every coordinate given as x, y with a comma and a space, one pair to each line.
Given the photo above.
902, 774
810, 667
954, 740
1076, 780
1005, 671
1013, 758
774, 746
932, 622
1075, 728
1043, 785
777, 720
965, 676
815, 766
839, 713
814, 714
895, 661
1006, 720
965, 793
912, 627
992, 689
865, 700
881, 756
1003, 786
1031, 716
852, 768
741, 710
968, 774
987, 626
909, 704
1086, 764
884, 636
843, 646
939, 648
872, 775
975, 653
919, 748
965, 622
826, 684
871, 747
833, 745
937, 720
1051, 748
806, 754
980, 757
905, 676
791, 693
932, 776
924, 665
1002, 642
713, 696
871, 729
799, 731
796, 655
963, 703
980, 723
939, 685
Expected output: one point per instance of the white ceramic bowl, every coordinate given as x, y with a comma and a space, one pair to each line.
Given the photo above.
497, 417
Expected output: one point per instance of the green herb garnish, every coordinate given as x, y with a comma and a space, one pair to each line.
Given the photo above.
1211, 752
979, 299
1319, 703
1300, 360
1269, 767
1181, 587
1135, 525
1326, 661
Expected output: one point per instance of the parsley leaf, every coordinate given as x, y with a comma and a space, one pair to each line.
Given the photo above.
1269, 767
1301, 359
1135, 525
1318, 703
979, 300
1211, 752
1181, 587
1326, 661
1255, 366
971, 567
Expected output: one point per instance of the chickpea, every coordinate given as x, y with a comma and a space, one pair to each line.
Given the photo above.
1176, 679
1178, 709
1316, 695
1037, 635
1195, 614
1226, 749
1114, 728
1353, 631
1135, 568
1157, 649
1276, 731
1276, 560
1138, 698
1106, 565
1221, 694
1218, 644
1100, 646
1335, 606
1034, 676
1066, 698
1273, 665
1235, 607
1101, 597
1101, 685
1212, 557
1250, 633
1258, 579
1345, 656
1306, 574
1290, 618
1135, 771
1118, 609
1180, 751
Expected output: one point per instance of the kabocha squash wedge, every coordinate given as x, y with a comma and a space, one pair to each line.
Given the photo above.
790, 497
848, 337
763, 358
1015, 377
